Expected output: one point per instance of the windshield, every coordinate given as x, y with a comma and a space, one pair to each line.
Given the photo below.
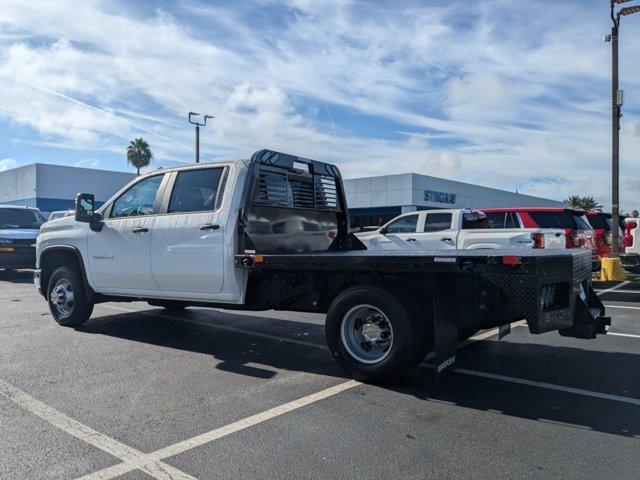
600, 221
14, 218
563, 219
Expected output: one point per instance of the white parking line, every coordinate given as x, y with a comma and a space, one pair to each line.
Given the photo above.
134, 459
549, 386
621, 306
615, 287
632, 335
619, 291
207, 437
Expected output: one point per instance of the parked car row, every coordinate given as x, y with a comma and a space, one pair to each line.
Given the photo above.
461, 229
520, 227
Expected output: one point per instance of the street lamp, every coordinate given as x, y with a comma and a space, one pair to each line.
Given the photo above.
198, 125
617, 100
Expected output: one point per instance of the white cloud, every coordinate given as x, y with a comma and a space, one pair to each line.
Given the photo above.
489, 97
7, 163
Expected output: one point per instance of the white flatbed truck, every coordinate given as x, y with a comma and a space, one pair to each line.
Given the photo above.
273, 233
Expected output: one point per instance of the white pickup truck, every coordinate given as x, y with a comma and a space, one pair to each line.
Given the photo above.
461, 229
273, 233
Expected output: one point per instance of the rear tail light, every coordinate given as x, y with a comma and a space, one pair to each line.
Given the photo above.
511, 260
538, 240
628, 237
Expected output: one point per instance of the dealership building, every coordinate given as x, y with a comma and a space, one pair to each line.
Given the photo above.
371, 200
54, 187
375, 200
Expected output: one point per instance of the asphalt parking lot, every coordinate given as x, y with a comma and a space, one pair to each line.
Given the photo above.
137, 393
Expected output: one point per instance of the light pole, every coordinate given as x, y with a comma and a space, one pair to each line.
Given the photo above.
617, 99
198, 125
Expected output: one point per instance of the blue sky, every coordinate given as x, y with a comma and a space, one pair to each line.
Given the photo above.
499, 93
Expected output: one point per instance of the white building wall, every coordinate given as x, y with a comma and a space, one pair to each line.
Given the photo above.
408, 190
62, 182
18, 184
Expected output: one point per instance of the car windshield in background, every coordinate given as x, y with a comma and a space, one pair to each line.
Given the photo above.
15, 218
600, 221
560, 220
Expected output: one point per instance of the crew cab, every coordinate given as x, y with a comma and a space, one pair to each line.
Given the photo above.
273, 233
461, 229
19, 227
578, 232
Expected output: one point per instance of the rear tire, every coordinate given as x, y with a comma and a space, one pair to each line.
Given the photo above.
372, 335
67, 298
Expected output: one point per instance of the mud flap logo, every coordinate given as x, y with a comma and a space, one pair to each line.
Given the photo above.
446, 364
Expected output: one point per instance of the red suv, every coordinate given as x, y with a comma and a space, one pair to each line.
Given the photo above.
578, 232
601, 224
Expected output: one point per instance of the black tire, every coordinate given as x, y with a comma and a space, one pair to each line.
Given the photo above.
410, 335
80, 309
168, 305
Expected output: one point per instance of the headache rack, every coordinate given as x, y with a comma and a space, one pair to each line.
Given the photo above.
293, 205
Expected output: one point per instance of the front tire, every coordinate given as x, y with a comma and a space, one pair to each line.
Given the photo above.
67, 298
372, 335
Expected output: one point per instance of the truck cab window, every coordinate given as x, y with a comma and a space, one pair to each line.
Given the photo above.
436, 222
195, 190
406, 224
138, 200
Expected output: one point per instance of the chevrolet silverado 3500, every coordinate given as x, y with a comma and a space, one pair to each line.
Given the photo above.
273, 233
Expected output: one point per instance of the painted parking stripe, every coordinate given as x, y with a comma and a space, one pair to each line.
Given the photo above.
621, 306
549, 386
614, 288
631, 335
210, 436
636, 292
134, 459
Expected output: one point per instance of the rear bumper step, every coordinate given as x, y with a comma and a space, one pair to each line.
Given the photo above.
589, 318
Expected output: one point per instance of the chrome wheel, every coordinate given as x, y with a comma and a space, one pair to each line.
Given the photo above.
62, 298
366, 334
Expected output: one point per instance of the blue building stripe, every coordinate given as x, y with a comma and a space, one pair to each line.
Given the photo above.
48, 204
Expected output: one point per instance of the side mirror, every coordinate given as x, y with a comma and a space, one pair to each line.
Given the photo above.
85, 208
383, 230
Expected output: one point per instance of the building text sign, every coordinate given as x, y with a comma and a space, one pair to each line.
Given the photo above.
439, 197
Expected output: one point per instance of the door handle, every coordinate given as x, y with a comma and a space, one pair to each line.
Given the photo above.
209, 226
446, 239
140, 230
410, 240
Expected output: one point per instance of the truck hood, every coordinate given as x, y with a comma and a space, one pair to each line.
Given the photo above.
19, 233
63, 223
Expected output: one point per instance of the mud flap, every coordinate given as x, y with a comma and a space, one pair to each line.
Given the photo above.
589, 319
445, 329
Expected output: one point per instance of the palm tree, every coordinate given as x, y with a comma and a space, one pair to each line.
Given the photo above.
138, 153
582, 203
